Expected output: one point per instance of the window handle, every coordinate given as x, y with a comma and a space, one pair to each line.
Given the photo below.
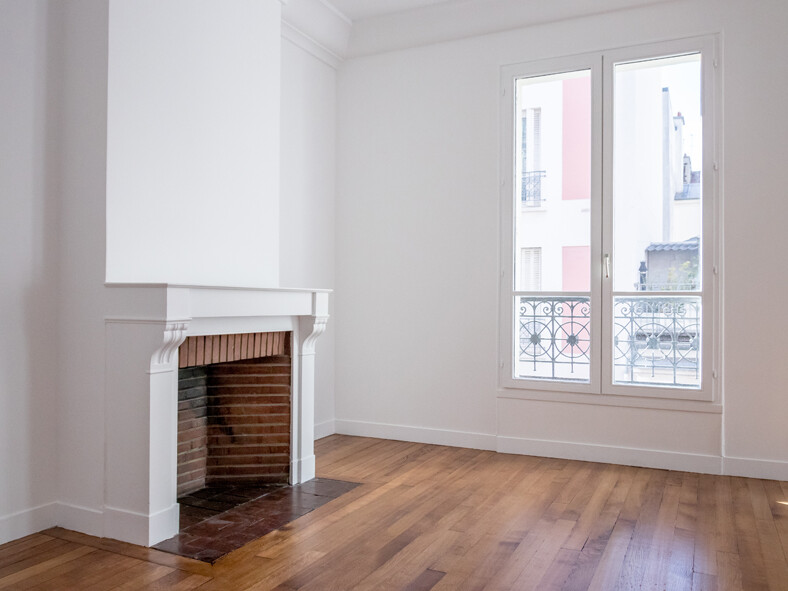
607, 266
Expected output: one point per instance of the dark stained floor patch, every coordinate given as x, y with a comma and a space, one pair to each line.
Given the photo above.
218, 520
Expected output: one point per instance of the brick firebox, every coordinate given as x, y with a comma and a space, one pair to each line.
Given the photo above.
234, 410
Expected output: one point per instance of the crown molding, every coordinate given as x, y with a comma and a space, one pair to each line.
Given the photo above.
312, 47
317, 27
338, 13
449, 21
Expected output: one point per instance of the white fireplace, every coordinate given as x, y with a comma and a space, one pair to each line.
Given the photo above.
145, 324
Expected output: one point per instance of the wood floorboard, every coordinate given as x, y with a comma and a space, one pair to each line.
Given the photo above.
15, 551
88, 572
432, 518
41, 579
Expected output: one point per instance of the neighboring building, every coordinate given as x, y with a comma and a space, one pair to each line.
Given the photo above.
663, 215
671, 266
553, 233
675, 265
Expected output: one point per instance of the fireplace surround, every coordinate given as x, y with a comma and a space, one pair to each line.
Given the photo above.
145, 326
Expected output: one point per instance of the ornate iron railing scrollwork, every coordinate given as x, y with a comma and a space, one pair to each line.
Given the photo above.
532, 188
656, 340
554, 337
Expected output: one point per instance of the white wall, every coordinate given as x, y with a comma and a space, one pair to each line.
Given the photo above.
417, 242
193, 142
53, 176
756, 140
308, 183
418, 236
28, 267
83, 157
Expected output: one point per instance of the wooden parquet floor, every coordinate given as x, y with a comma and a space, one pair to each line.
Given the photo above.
440, 518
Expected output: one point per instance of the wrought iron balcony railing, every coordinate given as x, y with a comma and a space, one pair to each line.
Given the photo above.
656, 340
688, 286
554, 337
532, 188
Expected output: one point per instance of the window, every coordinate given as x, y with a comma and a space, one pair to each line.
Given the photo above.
531, 269
531, 157
610, 289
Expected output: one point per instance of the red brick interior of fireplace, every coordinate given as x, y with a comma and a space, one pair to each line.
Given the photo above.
234, 410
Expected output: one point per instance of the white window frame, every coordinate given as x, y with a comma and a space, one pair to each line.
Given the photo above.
510, 208
601, 66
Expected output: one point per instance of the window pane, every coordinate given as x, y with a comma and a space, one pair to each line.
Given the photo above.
553, 183
553, 337
657, 193
656, 341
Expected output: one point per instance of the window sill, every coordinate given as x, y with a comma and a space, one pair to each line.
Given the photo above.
611, 400
533, 208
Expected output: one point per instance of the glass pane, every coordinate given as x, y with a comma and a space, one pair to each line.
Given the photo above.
553, 338
553, 183
656, 341
657, 192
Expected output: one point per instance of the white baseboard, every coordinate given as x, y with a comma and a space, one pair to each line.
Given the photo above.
141, 529
668, 460
752, 468
29, 521
82, 519
325, 429
164, 524
628, 456
416, 434
302, 470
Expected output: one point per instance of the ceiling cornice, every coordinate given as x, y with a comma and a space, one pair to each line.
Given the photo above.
308, 44
449, 21
318, 27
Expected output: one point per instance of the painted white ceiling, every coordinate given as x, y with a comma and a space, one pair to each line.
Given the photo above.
360, 9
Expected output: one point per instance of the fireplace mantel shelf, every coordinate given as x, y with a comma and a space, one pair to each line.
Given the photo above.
144, 325
223, 287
